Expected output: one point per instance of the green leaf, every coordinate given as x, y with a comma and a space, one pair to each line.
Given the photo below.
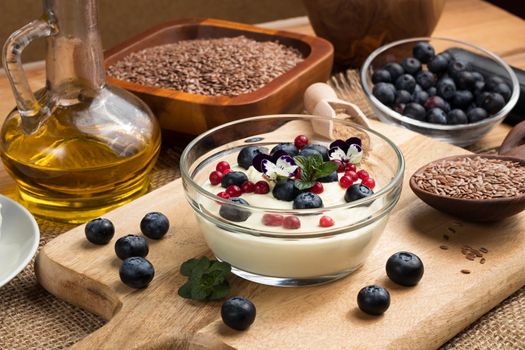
301, 161
326, 169
185, 290
187, 267
199, 293
225, 268
220, 291
303, 185
316, 160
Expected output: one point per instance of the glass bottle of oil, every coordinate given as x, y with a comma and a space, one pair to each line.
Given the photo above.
76, 148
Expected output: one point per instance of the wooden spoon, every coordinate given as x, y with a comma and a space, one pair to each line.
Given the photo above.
480, 209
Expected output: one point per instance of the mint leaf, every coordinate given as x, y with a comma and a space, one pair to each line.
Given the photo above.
206, 279
185, 290
187, 267
303, 185
220, 291
198, 293
326, 169
225, 268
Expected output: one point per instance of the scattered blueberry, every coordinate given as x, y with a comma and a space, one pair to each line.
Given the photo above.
439, 64
406, 82
319, 148
457, 116
462, 99
411, 65
356, 192
384, 93
425, 79
285, 190
136, 272
405, 268
233, 213
402, 97
236, 178
424, 52
238, 313
373, 300
286, 147
492, 103
446, 88
329, 178
415, 111
395, 70
436, 116
154, 225
420, 97
131, 245
246, 155
381, 76
307, 200
99, 231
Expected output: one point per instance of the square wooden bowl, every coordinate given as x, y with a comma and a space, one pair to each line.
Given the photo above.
194, 114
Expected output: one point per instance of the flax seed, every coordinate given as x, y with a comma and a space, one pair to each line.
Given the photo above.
444, 247
466, 272
483, 250
482, 261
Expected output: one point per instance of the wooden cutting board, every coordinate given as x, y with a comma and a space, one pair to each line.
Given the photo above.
326, 316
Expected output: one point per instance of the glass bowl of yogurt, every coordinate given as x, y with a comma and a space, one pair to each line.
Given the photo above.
281, 235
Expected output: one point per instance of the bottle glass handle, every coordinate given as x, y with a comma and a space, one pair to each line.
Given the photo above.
28, 105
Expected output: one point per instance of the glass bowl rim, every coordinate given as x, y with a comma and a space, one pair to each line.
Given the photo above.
397, 178
429, 126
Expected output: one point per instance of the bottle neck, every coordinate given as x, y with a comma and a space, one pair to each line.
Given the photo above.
75, 61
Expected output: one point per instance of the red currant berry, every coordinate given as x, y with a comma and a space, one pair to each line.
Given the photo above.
352, 175
316, 188
369, 182
301, 141
226, 171
215, 177
363, 174
350, 167
223, 195
261, 187
298, 174
248, 187
272, 219
340, 166
346, 181
326, 221
234, 191
222, 166
291, 222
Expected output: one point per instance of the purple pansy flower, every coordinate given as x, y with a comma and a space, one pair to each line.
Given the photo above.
279, 164
349, 151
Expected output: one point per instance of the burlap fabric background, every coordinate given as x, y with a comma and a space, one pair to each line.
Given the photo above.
31, 318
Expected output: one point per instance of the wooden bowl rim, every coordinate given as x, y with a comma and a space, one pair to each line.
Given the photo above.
416, 189
320, 50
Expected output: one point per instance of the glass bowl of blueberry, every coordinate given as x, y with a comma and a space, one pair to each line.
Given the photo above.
292, 200
443, 88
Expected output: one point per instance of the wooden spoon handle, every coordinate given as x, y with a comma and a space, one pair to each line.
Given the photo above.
514, 143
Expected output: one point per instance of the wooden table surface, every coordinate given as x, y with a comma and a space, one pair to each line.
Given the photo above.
474, 21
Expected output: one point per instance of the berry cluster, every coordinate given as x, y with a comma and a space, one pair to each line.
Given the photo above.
235, 182
351, 175
439, 89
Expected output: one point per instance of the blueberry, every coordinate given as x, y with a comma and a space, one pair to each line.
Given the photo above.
307, 200
436, 116
333, 177
136, 272
478, 76
232, 213
319, 148
462, 99
480, 97
233, 178
405, 268
402, 97
438, 64
504, 90
478, 87
411, 65
406, 82
154, 225
415, 111
399, 108
373, 300
423, 51
432, 91
99, 231
395, 70
131, 245
476, 114
418, 87
455, 67
426, 79
437, 102
286, 147
384, 93
465, 80
238, 313
492, 102
493, 81
420, 97
446, 88
356, 192
246, 155
308, 152
285, 190
381, 76
457, 116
